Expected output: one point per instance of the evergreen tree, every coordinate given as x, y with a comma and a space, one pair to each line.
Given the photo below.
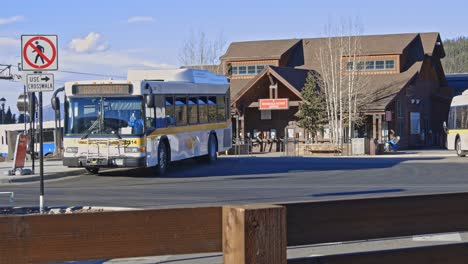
8, 117
456, 55
312, 113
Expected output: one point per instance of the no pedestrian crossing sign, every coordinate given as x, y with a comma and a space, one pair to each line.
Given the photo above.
39, 53
40, 82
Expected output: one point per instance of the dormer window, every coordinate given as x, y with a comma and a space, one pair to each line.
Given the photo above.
370, 65
247, 69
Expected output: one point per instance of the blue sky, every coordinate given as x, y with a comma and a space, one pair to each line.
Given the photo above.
110, 37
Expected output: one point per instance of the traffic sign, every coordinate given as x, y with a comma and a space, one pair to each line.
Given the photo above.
40, 82
39, 52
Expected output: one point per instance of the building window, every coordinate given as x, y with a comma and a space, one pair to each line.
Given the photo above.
370, 65
379, 65
390, 64
235, 70
247, 69
360, 65
251, 69
415, 123
242, 70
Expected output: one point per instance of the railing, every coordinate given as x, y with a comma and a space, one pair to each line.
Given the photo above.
245, 234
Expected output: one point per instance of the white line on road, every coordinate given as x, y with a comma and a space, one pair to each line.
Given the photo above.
452, 237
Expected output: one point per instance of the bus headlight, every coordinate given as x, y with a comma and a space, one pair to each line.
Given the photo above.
72, 150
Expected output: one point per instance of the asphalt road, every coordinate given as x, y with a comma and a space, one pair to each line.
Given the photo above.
240, 180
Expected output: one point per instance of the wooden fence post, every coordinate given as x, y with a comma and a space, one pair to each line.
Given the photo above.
254, 234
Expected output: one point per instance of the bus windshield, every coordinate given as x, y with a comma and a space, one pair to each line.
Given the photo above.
104, 116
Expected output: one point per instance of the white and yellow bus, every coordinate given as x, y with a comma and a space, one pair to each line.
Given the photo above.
149, 120
457, 125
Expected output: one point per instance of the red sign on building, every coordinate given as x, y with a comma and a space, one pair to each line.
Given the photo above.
273, 104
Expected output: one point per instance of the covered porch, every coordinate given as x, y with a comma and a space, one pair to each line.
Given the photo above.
264, 110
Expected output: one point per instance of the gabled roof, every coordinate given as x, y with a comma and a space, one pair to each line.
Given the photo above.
293, 79
263, 49
372, 44
430, 41
382, 89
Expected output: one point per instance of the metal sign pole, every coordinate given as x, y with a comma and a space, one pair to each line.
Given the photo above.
41, 155
32, 119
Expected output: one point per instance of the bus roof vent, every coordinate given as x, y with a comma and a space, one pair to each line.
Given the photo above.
179, 75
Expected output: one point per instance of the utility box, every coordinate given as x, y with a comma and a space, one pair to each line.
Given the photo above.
358, 146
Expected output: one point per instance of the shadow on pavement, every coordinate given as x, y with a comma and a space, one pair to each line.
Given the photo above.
232, 166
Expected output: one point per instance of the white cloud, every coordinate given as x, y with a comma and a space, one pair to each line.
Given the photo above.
10, 20
138, 19
108, 60
9, 42
91, 43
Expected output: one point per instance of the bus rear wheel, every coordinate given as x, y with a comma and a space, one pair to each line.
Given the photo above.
92, 170
460, 152
163, 159
212, 149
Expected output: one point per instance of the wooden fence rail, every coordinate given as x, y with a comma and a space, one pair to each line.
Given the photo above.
250, 234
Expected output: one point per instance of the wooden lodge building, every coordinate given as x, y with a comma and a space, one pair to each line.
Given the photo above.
405, 80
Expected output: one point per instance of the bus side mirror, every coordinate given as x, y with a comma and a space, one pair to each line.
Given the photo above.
149, 100
445, 127
55, 102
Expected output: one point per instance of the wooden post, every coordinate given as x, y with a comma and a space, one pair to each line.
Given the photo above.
254, 234
374, 127
379, 131
242, 117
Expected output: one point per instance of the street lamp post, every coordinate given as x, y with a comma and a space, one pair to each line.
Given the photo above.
2, 103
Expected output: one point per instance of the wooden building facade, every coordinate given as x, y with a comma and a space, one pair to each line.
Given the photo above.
405, 79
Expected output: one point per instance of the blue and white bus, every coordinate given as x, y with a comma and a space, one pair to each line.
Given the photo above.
149, 120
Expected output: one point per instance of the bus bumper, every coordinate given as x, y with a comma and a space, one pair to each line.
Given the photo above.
117, 162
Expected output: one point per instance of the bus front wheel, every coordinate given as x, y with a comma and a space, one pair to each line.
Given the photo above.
92, 170
458, 147
163, 159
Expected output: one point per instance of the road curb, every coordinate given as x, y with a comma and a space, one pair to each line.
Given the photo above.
37, 177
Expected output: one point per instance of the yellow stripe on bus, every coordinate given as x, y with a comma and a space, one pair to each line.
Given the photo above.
189, 128
458, 131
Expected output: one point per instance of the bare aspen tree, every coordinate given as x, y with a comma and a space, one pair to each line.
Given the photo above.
343, 81
198, 50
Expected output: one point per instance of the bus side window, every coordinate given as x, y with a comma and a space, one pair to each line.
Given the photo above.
170, 111
149, 117
192, 110
181, 111
160, 111
212, 116
221, 108
203, 109
450, 118
459, 113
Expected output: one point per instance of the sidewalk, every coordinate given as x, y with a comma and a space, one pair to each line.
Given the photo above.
398, 154
53, 169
